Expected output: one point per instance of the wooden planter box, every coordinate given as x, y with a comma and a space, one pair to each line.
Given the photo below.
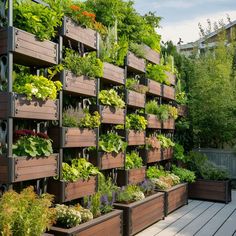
17, 169
171, 77
135, 99
76, 33
81, 85
175, 197
211, 190
169, 124
154, 87
132, 176
135, 138
73, 137
23, 108
153, 122
106, 161
135, 64
68, 191
113, 73
27, 49
108, 224
167, 153
141, 214
182, 110
112, 115
151, 55
152, 155
168, 92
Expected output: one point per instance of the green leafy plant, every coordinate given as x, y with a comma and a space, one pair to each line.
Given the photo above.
179, 153
157, 73
112, 142
25, 213
133, 160
111, 98
153, 172
137, 49
79, 169
133, 84
165, 142
136, 122
184, 174
88, 65
31, 144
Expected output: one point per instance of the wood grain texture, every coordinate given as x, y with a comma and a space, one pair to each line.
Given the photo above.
135, 64
169, 124
135, 99
151, 55
154, 87
153, 122
168, 92
113, 73
135, 137
111, 115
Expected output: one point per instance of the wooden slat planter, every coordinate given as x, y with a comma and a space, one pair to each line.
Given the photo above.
76, 33
81, 85
141, 214
153, 122
27, 49
182, 110
113, 73
135, 64
175, 197
68, 191
152, 155
73, 137
23, 108
135, 99
169, 124
135, 137
151, 55
19, 169
154, 87
167, 153
105, 161
211, 190
168, 92
171, 77
112, 115
132, 176
108, 224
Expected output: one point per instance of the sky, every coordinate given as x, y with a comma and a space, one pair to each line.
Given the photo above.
181, 17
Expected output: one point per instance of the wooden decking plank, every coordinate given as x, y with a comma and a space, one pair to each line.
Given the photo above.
214, 224
185, 220
201, 220
229, 226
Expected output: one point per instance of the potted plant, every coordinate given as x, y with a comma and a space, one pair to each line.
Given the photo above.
166, 147
141, 206
78, 180
152, 115
135, 63
33, 158
134, 171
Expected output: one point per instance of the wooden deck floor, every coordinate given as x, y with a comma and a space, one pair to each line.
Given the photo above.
198, 218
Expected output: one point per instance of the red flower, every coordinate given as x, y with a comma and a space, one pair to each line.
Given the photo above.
42, 135
24, 132
75, 8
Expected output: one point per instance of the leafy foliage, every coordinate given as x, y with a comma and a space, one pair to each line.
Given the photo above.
25, 213
179, 152
165, 142
137, 49
133, 84
136, 122
147, 187
133, 160
111, 98
184, 174
157, 73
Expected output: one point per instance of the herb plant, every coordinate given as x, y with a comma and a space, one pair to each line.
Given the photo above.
179, 153
137, 49
111, 98
133, 84
136, 122
133, 160
184, 174
165, 142
157, 73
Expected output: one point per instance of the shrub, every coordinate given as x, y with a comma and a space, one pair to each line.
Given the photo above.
157, 73
133, 160
184, 174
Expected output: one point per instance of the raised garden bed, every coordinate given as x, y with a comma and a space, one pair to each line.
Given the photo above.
176, 197
73, 137
132, 176
168, 92
182, 110
17, 169
211, 190
135, 99
171, 77
75, 33
141, 214
135, 64
27, 49
23, 108
135, 137
169, 124
108, 224
114, 74
81, 85
154, 87
152, 155
167, 153
153, 122
106, 161
112, 115
151, 55
68, 191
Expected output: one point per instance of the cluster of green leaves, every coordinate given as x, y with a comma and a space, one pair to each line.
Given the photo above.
111, 98
38, 19
133, 84
36, 86
136, 122
74, 117
185, 175
25, 213
157, 73
133, 160
155, 172
179, 153
79, 169
88, 65
112, 142
165, 142
181, 96
137, 49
